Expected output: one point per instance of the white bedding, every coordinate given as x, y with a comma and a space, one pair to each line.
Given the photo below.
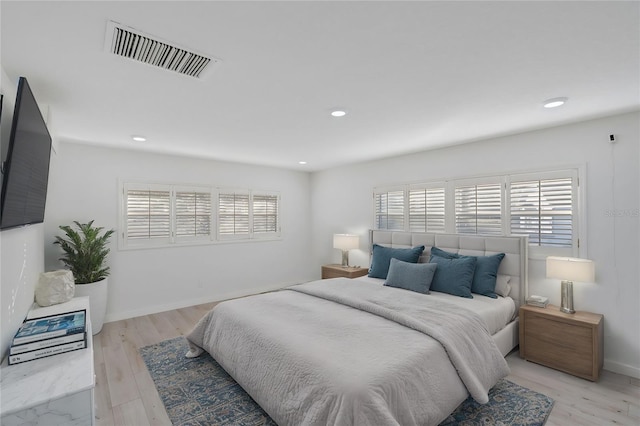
496, 313
311, 361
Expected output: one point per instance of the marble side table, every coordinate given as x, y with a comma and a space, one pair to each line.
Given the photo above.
57, 390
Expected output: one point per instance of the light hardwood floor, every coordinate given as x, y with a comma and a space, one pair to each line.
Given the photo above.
126, 395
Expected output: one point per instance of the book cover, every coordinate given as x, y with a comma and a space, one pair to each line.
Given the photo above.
41, 344
52, 326
42, 353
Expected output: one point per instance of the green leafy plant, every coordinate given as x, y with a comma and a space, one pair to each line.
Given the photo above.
85, 251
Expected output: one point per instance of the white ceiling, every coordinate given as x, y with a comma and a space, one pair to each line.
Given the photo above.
412, 75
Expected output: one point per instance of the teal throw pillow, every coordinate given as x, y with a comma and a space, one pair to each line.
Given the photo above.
410, 276
453, 275
485, 274
382, 256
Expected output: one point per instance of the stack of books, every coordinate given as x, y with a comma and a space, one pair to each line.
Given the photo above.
539, 301
51, 335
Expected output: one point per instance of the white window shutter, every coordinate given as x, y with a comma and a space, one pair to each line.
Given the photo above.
542, 209
389, 210
148, 214
265, 214
192, 213
233, 213
478, 209
427, 209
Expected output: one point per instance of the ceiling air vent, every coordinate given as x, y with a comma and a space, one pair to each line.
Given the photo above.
133, 44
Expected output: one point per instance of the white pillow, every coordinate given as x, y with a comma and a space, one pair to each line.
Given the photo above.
503, 288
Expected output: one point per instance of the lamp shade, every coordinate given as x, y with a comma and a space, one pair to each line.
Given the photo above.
346, 241
570, 269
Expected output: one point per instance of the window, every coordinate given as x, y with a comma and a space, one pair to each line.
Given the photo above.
148, 215
426, 209
163, 215
265, 214
233, 214
245, 214
544, 209
541, 205
389, 209
478, 209
193, 213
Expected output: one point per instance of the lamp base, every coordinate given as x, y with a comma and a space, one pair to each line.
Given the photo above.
345, 258
566, 297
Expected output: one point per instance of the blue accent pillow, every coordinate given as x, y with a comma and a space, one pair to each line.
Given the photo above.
382, 256
410, 276
485, 274
453, 275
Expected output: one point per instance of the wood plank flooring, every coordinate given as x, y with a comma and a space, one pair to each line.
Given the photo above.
126, 396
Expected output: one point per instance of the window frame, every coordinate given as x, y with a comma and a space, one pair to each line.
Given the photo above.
173, 240
578, 235
475, 182
386, 190
576, 172
250, 234
426, 186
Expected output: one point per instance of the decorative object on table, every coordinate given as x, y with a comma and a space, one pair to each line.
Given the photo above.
85, 254
55, 287
539, 301
346, 242
221, 401
51, 335
569, 269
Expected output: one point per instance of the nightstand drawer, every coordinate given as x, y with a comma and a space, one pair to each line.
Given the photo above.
568, 342
564, 336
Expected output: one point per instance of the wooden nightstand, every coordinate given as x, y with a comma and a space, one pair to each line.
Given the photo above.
572, 343
336, 271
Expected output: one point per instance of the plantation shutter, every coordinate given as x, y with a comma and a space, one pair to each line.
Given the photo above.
478, 209
426, 209
193, 213
389, 210
542, 209
265, 214
148, 214
233, 214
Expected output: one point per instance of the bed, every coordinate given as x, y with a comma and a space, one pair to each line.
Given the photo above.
347, 352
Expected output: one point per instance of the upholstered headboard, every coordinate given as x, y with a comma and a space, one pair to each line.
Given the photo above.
515, 249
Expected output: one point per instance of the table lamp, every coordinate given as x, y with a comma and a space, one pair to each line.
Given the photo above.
569, 269
345, 242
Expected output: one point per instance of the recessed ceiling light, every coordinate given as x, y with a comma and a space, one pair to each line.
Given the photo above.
554, 103
302, 162
338, 113
138, 138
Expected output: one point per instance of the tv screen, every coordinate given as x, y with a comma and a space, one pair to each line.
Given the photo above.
26, 169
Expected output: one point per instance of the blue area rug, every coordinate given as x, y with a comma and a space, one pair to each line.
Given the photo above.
197, 391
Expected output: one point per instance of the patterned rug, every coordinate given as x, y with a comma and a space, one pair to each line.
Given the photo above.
198, 391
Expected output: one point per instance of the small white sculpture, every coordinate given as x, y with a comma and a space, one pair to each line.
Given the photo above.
55, 287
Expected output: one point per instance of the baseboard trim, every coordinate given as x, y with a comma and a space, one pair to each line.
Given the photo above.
620, 368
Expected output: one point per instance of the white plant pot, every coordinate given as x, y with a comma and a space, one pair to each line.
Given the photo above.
97, 293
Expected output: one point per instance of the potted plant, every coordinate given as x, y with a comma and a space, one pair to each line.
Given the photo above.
85, 254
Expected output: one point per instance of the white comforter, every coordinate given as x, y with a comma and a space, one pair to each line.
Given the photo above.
343, 352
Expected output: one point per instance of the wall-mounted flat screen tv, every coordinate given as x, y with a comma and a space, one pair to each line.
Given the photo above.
26, 168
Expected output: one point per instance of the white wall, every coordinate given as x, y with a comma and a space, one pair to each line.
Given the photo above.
342, 202
84, 185
22, 259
